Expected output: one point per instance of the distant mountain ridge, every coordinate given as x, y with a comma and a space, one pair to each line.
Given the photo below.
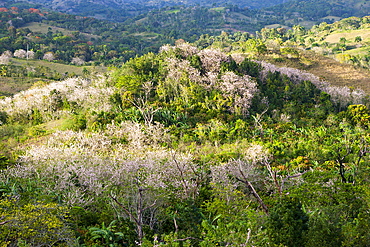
286, 12
118, 9
316, 9
55, 4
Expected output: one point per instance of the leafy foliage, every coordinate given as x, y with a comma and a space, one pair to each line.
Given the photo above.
187, 147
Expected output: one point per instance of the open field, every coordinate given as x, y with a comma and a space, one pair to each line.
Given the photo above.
332, 18
330, 70
307, 24
349, 35
44, 28
174, 11
12, 85
340, 74
218, 9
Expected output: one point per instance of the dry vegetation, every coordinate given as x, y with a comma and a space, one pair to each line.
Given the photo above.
330, 70
11, 85
337, 73
349, 35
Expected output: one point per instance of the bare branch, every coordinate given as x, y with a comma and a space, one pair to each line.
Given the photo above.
186, 189
292, 176
125, 209
253, 191
4, 222
184, 239
150, 206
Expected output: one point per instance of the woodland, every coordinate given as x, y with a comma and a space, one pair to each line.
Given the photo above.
219, 138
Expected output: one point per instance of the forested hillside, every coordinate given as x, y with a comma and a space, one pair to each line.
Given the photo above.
118, 10
186, 147
184, 125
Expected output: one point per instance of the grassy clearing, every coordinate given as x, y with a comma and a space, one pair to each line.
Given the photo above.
146, 35
174, 11
140, 21
332, 18
12, 85
241, 16
238, 16
349, 35
307, 24
339, 74
276, 26
44, 28
218, 9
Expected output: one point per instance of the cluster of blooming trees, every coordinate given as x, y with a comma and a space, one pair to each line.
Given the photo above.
58, 98
49, 56
24, 54
82, 168
204, 68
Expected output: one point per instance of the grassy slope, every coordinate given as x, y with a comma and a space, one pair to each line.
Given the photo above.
339, 74
330, 70
44, 28
12, 85
349, 35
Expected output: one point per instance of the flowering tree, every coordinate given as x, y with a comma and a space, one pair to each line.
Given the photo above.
240, 88
77, 61
179, 77
5, 57
30, 54
243, 171
182, 48
20, 53
48, 56
212, 59
342, 96
93, 95
138, 176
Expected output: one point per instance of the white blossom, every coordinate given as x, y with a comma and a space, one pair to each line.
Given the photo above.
212, 59
228, 175
238, 57
178, 69
93, 95
30, 54
82, 166
49, 56
5, 57
184, 49
20, 53
241, 88
77, 61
